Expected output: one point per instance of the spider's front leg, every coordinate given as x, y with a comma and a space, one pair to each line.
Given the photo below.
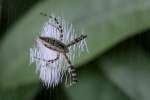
57, 24
78, 39
71, 70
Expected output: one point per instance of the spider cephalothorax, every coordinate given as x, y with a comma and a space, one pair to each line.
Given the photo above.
59, 43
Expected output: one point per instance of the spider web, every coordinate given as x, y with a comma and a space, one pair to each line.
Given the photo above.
51, 74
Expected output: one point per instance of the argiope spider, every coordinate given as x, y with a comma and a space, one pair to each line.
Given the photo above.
60, 47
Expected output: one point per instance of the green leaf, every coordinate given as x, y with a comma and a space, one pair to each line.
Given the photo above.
27, 92
128, 66
105, 22
93, 85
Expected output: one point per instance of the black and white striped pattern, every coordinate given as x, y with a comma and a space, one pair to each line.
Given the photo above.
76, 40
73, 74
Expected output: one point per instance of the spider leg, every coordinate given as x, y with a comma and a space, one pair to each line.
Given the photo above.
76, 40
40, 59
58, 26
71, 70
53, 60
44, 14
49, 61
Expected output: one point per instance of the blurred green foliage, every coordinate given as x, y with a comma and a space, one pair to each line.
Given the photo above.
117, 67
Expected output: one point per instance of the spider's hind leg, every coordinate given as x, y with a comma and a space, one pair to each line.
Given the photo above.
73, 74
72, 71
49, 61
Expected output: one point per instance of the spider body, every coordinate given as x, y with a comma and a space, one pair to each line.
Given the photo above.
54, 44
58, 45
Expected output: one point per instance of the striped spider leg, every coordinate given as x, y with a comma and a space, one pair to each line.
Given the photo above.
71, 70
58, 26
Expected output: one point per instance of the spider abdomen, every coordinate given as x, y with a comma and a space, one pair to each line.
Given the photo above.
54, 44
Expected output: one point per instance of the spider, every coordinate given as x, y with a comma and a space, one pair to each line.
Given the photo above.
60, 47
